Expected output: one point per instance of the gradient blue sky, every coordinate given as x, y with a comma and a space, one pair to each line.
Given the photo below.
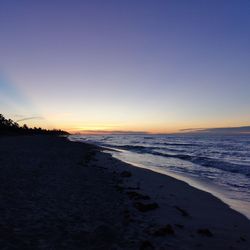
136, 65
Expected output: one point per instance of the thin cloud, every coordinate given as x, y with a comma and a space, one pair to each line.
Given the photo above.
117, 132
225, 130
30, 118
191, 129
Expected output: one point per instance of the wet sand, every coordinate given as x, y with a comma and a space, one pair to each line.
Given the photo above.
57, 194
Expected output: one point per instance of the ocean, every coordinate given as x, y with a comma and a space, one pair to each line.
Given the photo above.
219, 164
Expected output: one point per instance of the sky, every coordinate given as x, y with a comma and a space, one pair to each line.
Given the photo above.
125, 65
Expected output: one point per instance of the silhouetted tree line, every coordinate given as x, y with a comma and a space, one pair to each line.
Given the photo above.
7, 126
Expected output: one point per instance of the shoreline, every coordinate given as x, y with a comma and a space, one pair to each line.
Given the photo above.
222, 194
230, 188
70, 195
142, 172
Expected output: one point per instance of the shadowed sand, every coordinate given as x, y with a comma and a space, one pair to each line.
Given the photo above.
57, 194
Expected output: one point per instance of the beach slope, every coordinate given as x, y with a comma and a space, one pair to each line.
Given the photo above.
57, 194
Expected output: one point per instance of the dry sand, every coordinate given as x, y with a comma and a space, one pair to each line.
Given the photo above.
56, 194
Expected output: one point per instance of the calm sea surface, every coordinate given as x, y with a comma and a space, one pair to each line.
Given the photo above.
219, 164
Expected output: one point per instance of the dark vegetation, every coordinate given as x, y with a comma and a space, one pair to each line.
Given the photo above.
163, 231
145, 207
126, 174
9, 127
137, 196
205, 232
182, 211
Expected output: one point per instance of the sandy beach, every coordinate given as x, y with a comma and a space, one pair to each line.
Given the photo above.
57, 194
